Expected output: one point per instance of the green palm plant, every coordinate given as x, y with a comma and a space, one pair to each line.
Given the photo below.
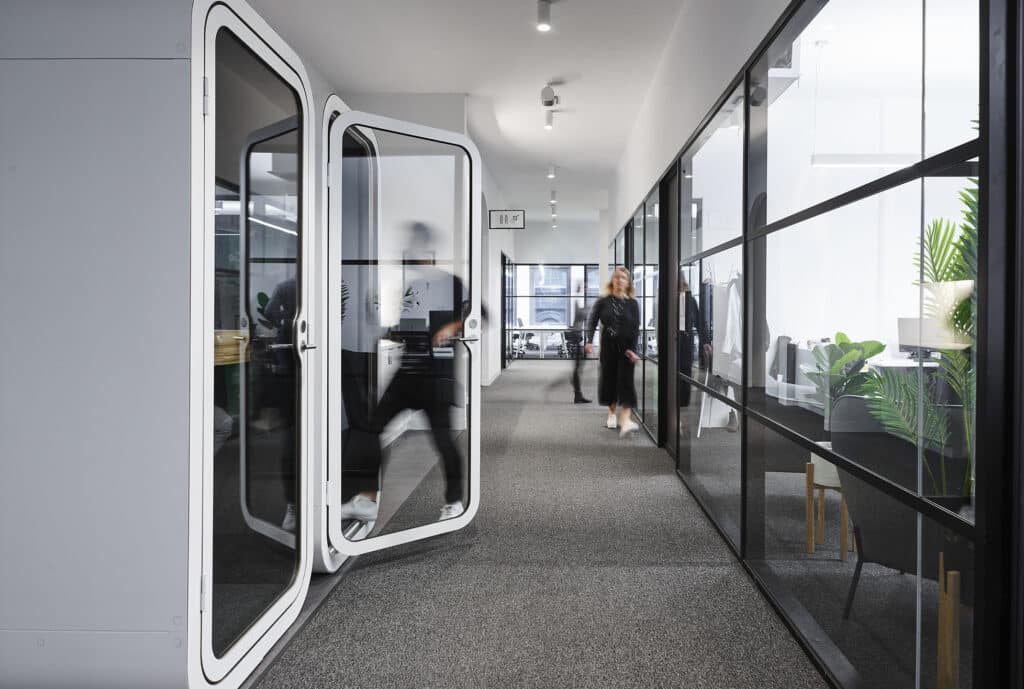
948, 253
895, 400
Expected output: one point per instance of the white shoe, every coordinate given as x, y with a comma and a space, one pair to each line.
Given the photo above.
288, 523
627, 427
612, 422
451, 510
360, 507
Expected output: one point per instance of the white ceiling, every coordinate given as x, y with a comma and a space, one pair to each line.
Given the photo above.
605, 52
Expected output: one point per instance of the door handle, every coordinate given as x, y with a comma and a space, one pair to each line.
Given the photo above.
306, 346
467, 339
276, 347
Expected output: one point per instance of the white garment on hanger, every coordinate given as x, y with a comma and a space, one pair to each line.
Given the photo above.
732, 343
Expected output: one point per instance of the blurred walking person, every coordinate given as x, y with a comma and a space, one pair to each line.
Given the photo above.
619, 316
574, 337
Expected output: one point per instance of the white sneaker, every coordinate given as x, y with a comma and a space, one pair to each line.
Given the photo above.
451, 510
360, 507
612, 422
288, 523
628, 427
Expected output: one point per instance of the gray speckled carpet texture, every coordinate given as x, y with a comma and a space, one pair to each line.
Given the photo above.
588, 565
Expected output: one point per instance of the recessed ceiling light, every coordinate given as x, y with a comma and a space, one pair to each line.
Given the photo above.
551, 172
553, 199
549, 119
554, 226
554, 215
543, 16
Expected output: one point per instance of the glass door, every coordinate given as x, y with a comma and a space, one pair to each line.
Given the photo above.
255, 339
403, 355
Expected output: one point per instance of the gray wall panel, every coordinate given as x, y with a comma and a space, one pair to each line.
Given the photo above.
94, 270
95, 28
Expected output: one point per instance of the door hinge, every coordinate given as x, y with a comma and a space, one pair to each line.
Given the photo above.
206, 96
202, 593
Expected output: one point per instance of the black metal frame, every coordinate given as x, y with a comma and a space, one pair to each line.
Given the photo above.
998, 532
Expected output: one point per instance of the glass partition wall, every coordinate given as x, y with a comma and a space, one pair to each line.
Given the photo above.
827, 337
547, 305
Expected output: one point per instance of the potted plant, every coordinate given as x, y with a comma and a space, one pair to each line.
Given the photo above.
839, 369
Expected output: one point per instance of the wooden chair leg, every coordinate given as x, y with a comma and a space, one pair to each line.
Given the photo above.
948, 651
844, 526
809, 507
821, 516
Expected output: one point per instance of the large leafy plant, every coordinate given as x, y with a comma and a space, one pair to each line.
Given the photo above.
948, 253
839, 367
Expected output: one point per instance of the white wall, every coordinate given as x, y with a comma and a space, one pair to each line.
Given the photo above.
710, 42
572, 242
495, 242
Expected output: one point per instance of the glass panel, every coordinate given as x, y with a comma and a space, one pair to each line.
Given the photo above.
649, 331
593, 286
951, 73
711, 321
850, 345
712, 182
709, 454
256, 388
405, 382
947, 326
879, 601
543, 312
637, 268
843, 101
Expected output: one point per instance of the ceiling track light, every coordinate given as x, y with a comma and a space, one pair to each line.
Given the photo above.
551, 172
549, 120
543, 16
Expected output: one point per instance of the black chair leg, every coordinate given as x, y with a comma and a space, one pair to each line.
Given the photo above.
856, 574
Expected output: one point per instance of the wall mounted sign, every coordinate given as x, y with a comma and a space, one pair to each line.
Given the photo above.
508, 220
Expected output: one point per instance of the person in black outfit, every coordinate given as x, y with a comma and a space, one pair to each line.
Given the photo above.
693, 330
425, 381
619, 316
280, 311
574, 338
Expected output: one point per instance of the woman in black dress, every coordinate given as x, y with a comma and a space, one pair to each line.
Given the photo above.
619, 315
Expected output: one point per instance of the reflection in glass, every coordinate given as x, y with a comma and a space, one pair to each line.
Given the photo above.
405, 286
712, 182
853, 344
637, 270
862, 564
711, 322
649, 329
255, 378
838, 115
709, 456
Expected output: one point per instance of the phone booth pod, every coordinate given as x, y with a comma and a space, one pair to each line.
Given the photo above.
157, 221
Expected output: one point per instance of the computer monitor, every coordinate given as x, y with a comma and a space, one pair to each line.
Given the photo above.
922, 336
412, 324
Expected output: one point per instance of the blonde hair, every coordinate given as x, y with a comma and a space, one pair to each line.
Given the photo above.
610, 287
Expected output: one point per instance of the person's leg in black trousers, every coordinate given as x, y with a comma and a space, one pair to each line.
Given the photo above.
577, 396
439, 414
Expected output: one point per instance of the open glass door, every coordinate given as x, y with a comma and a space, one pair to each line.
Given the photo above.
403, 364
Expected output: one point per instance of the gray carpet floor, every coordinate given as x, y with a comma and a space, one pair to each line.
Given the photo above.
588, 565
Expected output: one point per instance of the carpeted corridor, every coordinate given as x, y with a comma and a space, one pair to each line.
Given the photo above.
588, 565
